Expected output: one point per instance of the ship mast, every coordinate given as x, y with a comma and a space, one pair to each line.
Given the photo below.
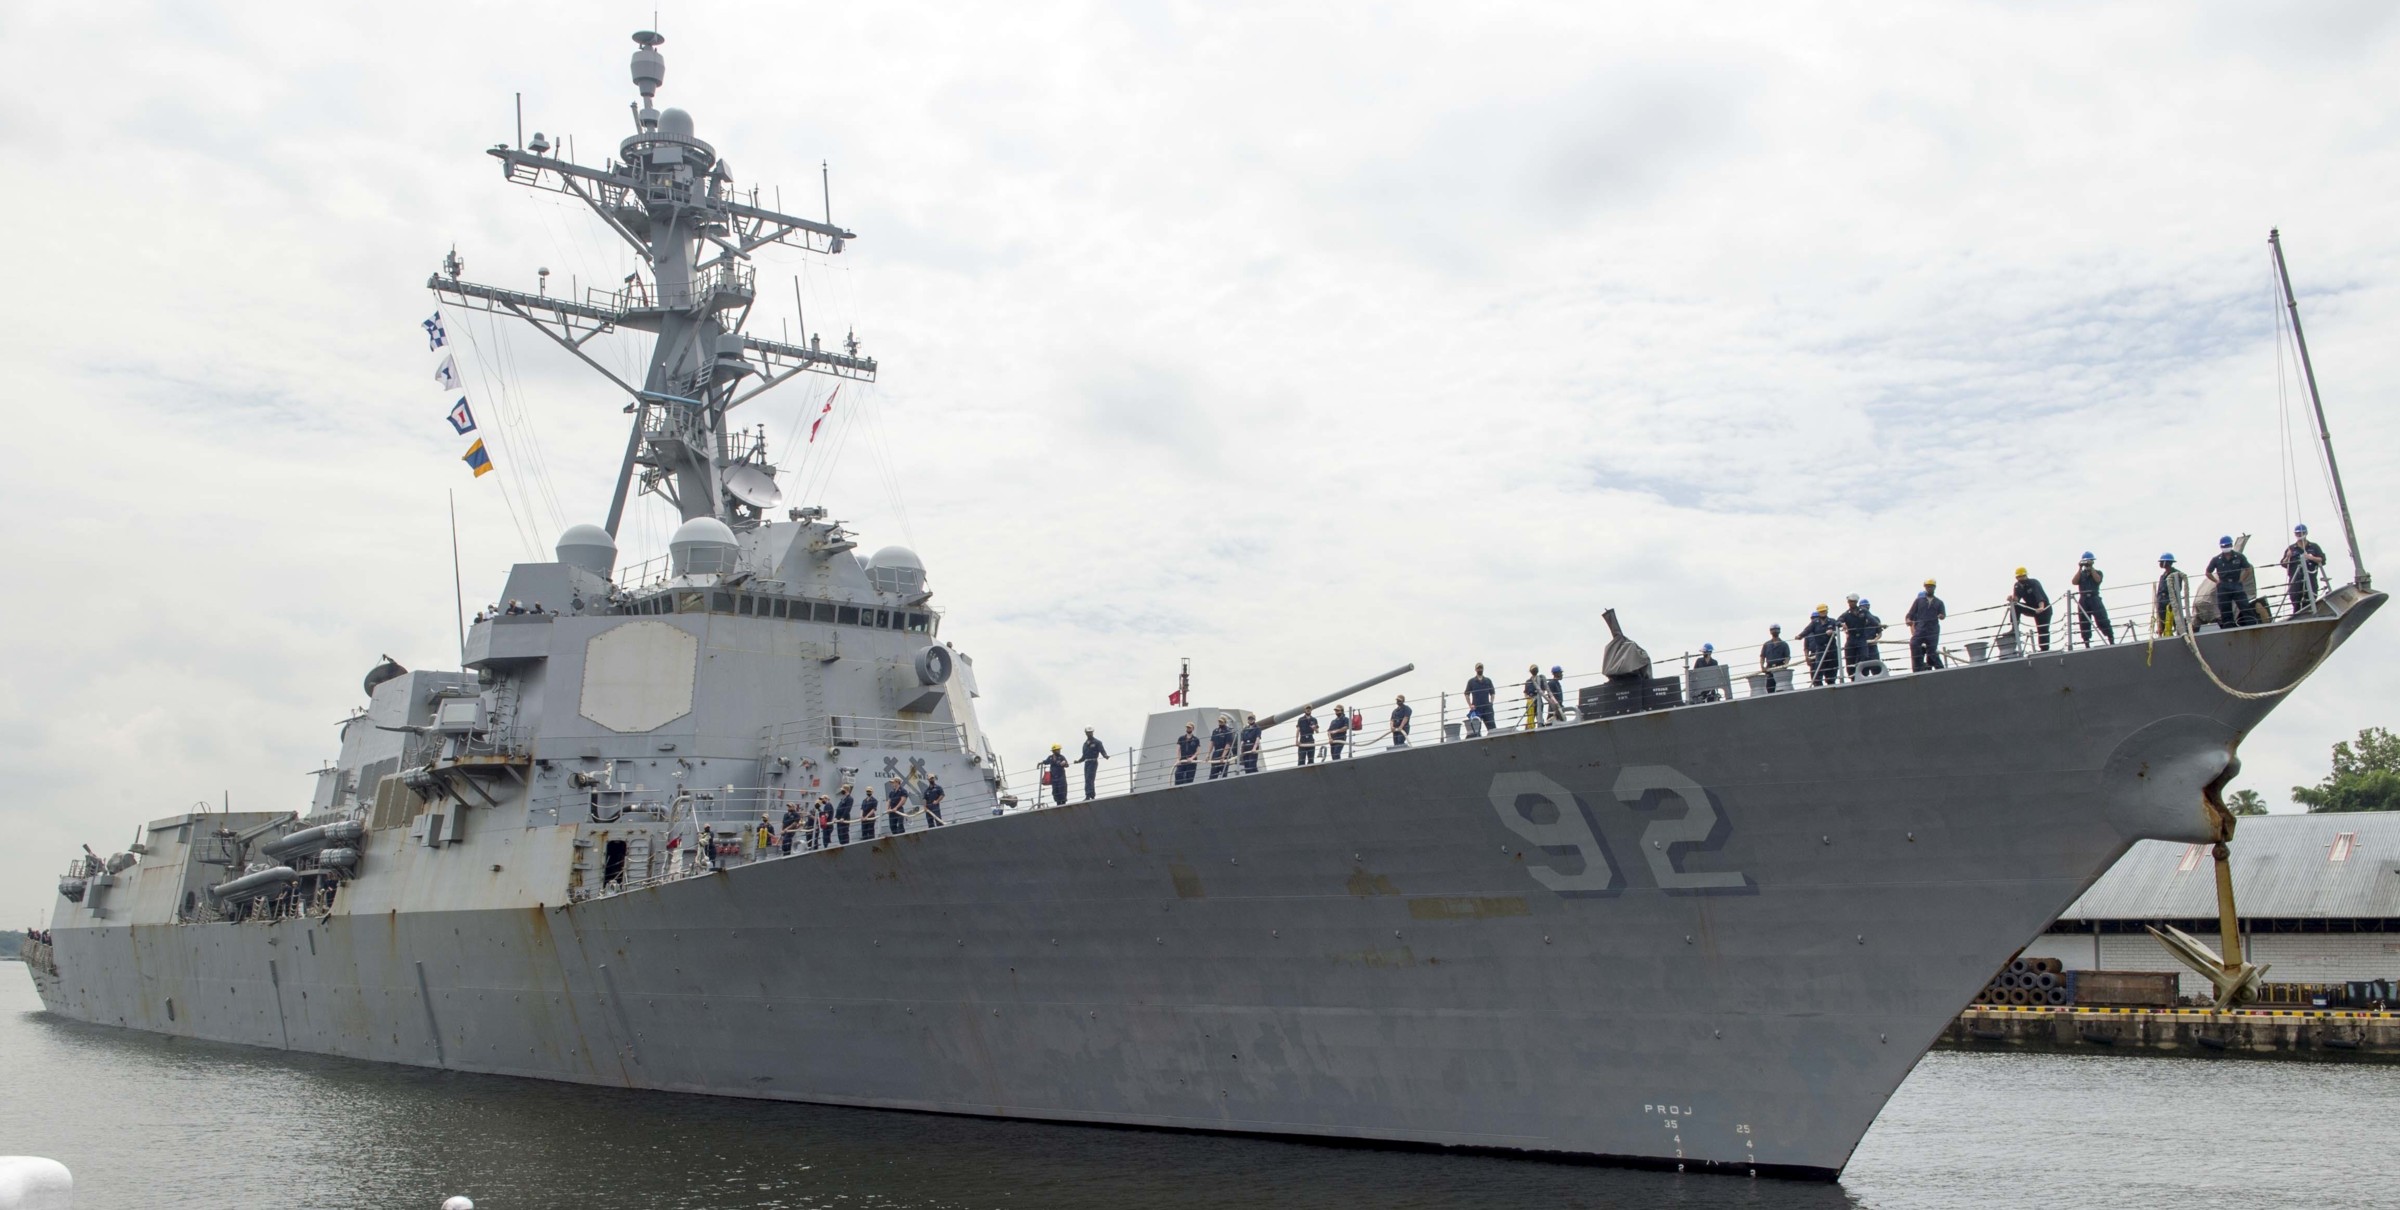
670, 196
2341, 499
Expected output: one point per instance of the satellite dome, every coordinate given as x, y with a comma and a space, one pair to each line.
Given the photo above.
896, 569
675, 124
702, 546
590, 548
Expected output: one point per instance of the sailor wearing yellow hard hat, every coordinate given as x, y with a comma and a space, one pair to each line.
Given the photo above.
1817, 644
2028, 600
1924, 618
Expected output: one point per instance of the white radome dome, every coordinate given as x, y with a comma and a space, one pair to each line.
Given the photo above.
896, 569
702, 546
590, 548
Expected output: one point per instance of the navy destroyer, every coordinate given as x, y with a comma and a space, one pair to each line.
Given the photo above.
572, 858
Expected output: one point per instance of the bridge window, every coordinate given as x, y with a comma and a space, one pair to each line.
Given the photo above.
848, 615
743, 606
723, 602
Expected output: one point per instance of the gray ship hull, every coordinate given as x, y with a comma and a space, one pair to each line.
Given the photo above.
1716, 936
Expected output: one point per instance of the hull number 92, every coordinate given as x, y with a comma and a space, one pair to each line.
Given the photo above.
1570, 857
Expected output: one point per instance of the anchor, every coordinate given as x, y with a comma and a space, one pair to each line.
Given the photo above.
2234, 980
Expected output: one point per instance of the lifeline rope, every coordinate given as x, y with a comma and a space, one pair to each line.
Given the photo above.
2191, 639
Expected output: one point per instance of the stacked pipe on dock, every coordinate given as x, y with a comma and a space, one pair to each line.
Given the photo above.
2028, 981
2045, 982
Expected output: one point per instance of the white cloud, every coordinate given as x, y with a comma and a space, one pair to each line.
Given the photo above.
1298, 341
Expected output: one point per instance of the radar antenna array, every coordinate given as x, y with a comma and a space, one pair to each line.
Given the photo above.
668, 195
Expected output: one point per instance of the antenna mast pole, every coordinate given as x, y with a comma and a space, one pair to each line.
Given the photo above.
458, 583
2341, 499
668, 194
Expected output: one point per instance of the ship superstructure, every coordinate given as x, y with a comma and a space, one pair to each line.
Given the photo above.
567, 859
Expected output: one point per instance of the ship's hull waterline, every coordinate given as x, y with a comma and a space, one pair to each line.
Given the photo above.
1425, 947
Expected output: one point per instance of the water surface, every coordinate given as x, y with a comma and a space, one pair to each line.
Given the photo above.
153, 1122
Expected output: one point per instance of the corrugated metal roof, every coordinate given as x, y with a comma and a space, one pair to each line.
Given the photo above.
2282, 867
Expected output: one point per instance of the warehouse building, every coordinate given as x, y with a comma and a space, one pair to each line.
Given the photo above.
2319, 897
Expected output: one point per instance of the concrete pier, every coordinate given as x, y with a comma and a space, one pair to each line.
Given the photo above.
2322, 1035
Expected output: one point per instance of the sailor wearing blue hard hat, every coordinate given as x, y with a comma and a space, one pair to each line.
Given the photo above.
2304, 567
2230, 572
1708, 659
2088, 606
2166, 600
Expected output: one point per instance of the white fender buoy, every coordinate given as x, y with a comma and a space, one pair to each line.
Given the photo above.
29, 1182
461, 1202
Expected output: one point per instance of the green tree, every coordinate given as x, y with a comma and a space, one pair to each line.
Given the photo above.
2246, 802
2366, 776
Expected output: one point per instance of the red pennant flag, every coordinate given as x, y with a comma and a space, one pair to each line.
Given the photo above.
1175, 698
828, 411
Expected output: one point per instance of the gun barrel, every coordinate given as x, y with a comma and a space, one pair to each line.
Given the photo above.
1336, 696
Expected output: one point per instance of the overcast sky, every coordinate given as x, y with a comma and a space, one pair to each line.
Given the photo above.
1301, 340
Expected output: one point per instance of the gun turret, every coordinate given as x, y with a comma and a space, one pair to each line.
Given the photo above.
1337, 695
1625, 657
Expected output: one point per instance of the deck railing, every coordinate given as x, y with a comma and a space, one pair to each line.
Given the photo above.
1978, 635
720, 827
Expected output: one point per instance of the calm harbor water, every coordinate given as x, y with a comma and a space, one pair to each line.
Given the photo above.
151, 1122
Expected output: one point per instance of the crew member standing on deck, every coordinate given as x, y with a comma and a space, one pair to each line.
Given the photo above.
934, 794
791, 826
2167, 599
2230, 572
1093, 753
1306, 729
1337, 730
1708, 659
2089, 608
2304, 563
1479, 704
1554, 693
866, 816
1869, 636
1250, 735
1220, 748
1054, 771
824, 822
1924, 620
1774, 655
841, 814
1400, 717
1533, 696
2027, 599
1852, 624
1817, 640
895, 804
1187, 756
